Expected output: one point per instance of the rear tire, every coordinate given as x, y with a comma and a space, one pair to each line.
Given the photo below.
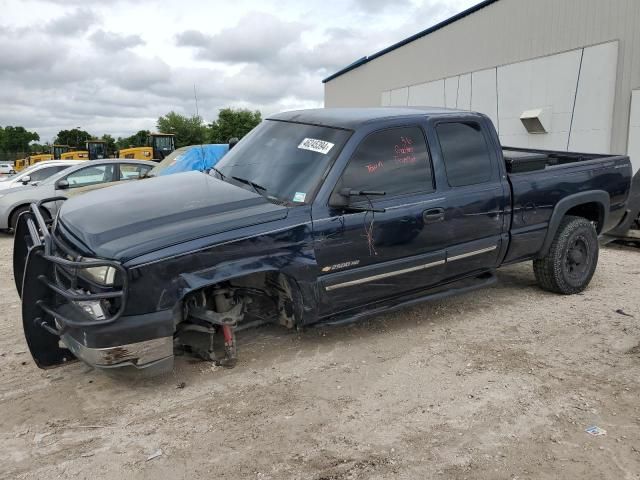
13, 219
572, 258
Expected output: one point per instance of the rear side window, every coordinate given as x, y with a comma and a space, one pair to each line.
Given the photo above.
465, 153
129, 171
395, 161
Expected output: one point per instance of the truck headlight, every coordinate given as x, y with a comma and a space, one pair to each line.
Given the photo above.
103, 275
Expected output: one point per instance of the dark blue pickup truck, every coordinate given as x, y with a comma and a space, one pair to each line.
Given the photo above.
323, 215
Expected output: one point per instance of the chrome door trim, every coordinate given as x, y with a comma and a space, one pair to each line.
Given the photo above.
417, 268
385, 275
472, 254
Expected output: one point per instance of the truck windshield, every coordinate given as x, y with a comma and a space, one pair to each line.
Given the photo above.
287, 159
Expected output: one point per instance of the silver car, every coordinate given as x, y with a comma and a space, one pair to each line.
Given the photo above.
73, 180
36, 173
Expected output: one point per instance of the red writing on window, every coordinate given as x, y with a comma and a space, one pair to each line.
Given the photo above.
374, 167
404, 152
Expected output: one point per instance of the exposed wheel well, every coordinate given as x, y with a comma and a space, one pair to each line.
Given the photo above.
270, 297
217, 311
592, 211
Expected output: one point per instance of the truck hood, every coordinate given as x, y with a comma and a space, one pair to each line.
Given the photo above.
128, 220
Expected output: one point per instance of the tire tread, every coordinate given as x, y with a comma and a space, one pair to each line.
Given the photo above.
548, 270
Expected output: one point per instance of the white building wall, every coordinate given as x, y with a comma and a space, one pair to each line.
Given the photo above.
593, 113
548, 83
464, 92
399, 96
503, 34
431, 93
575, 90
634, 131
451, 92
484, 94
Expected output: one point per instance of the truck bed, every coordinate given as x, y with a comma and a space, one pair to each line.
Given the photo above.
523, 160
540, 179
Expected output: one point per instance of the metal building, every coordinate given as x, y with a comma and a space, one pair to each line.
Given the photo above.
552, 74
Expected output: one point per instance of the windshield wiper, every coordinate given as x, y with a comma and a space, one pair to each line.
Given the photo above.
260, 190
222, 175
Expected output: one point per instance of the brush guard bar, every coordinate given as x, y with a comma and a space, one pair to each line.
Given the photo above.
49, 307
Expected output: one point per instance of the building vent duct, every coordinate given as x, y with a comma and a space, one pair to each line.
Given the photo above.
536, 121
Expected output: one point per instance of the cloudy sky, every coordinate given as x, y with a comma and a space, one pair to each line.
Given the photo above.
114, 66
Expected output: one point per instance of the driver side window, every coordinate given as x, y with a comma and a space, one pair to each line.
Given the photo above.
395, 161
90, 176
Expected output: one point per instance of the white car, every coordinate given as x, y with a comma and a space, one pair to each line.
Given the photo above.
6, 169
36, 173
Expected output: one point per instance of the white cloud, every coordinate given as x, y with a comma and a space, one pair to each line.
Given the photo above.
115, 66
73, 23
111, 41
257, 37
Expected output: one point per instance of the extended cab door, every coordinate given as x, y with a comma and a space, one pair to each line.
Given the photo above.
476, 191
369, 256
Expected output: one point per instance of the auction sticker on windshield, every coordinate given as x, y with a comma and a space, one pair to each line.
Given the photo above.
316, 145
299, 197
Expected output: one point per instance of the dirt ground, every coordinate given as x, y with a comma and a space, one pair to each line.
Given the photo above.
496, 384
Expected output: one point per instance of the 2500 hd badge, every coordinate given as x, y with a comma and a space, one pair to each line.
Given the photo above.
294, 227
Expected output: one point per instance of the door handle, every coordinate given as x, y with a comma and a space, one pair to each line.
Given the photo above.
433, 215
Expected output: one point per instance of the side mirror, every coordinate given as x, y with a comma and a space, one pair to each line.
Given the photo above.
62, 184
342, 198
25, 180
338, 200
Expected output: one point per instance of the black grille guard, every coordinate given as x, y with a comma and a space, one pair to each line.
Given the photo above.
41, 237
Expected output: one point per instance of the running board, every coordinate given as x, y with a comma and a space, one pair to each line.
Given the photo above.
459, 287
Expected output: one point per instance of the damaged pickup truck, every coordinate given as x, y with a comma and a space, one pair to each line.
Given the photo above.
323, 215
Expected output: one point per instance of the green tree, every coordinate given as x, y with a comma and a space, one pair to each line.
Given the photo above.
139, 139
17, 139
39, 148
188, 130
74, 138
111, 144
233, 123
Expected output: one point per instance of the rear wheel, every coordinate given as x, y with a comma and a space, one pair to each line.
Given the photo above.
13, 220
572, 258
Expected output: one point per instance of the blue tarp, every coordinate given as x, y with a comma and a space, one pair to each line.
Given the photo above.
195, 157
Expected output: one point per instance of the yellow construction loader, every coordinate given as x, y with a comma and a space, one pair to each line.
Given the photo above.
95, 150
41, 157
20, 164
59, 150
159, 145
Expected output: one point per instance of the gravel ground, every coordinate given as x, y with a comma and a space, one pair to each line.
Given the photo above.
496, 384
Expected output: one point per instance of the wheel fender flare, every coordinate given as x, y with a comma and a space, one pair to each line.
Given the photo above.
563, 206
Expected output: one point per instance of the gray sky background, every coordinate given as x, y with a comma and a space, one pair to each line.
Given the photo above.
114, 66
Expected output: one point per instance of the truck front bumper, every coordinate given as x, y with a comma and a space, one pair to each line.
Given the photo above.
65, 317
154, 356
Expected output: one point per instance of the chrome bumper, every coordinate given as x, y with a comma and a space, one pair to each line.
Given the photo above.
156, 354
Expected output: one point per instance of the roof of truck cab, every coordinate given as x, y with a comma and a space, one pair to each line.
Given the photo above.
352, 118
